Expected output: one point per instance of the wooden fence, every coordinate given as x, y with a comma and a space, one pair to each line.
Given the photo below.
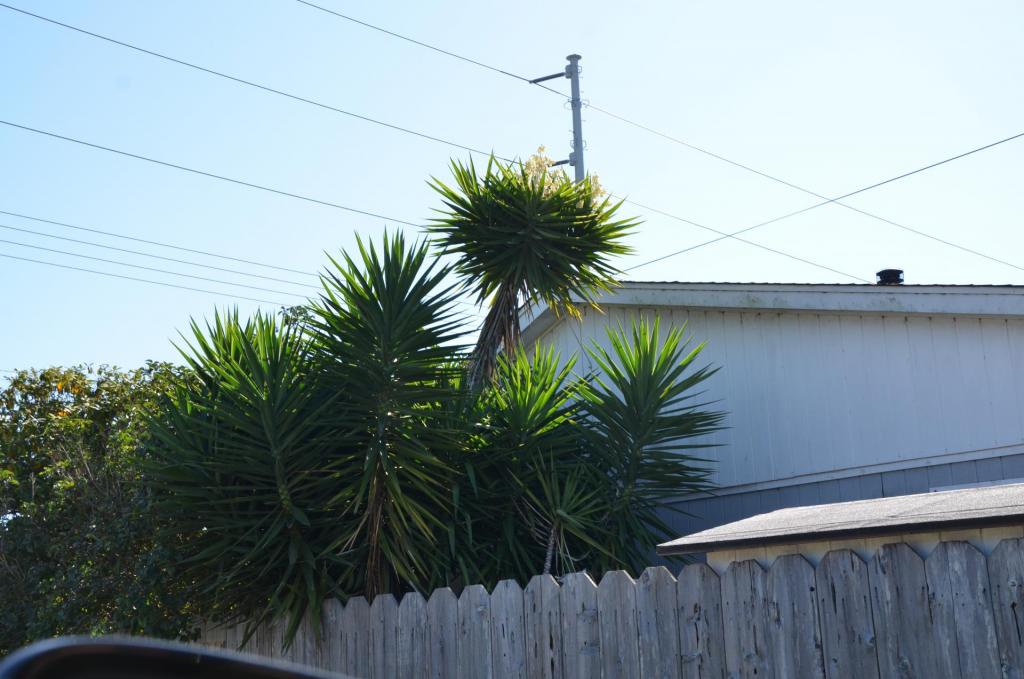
956, 614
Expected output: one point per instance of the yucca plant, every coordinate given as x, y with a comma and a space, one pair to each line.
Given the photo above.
642, 414
525, 238
243, 465
528, 436
385, 335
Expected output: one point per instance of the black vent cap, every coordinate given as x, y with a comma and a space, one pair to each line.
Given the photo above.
890, 277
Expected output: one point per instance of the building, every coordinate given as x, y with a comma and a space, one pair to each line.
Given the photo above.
837, 392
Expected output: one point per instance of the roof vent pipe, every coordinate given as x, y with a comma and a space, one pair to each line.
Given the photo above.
890, 277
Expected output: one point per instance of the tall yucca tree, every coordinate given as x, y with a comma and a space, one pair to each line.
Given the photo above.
525, 238
386, 335
643, 419
243, 466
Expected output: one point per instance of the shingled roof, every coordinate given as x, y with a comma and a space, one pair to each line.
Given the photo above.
966, 508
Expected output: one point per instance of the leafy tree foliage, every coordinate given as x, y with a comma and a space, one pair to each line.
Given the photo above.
77, 548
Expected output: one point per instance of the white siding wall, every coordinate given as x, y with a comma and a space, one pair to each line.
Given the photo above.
811, 392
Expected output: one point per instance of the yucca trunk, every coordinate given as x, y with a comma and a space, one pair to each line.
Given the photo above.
500, 330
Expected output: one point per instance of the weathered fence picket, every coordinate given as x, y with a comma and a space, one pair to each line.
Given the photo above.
744, 598
508, 646
474, 642
1006, 576
701, 628
956, 614
616, 613
442, 634
543, 619
794, 637
844, 608
412, 637
657, 624
958, 582
581, 636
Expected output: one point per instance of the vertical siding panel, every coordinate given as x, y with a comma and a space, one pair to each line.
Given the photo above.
929, 400
976, 398
996, 354
817, 415
900, 388
788, 369
737, 399
957, 433
759, 341
1014, 366
857, 410
887, 435
834, 383
939, 476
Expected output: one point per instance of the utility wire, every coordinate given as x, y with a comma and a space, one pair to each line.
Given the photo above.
149, 268
332, 108
243, 81
163, 245
854, 193
478, 151
212, 175
710, 154
140, 280
734, 237
148, 254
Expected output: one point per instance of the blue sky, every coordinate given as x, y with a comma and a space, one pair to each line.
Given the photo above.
831, 97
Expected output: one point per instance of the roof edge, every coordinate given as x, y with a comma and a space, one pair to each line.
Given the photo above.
896, 529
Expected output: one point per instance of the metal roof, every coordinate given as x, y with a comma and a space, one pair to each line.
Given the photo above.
966, 508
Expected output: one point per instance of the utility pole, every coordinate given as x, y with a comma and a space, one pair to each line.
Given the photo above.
572, 72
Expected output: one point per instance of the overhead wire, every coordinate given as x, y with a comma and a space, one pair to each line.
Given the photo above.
365, 118
181, 248
204, 173
725, 234
141, 280
708, 153
242, 81
478, 151
149, 268
146, 254
861, 190
154, 256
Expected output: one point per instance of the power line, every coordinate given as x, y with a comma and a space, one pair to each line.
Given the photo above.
325, 106
708, 153
163, 245
315, 200
461, 146
148, 268
148, 254
140, 280
854, 193
243, 81
428, 46
208, 174
742, 240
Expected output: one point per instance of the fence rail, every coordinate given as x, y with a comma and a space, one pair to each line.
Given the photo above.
956, 614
